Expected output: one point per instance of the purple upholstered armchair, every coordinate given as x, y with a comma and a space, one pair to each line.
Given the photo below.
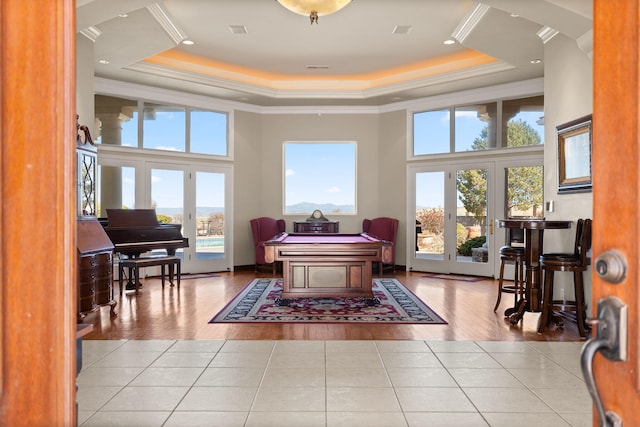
386, 229
264, 229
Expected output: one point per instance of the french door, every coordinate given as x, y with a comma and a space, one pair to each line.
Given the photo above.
195, 196
451, 206
199, 198
455, 204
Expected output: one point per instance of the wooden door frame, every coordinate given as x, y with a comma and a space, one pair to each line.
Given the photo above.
616, 201
37, 220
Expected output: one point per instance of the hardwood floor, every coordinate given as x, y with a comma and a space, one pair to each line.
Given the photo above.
184, 314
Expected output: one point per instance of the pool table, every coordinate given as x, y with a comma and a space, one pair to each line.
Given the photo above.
327, 265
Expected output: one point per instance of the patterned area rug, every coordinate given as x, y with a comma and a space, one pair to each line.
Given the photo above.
256, 304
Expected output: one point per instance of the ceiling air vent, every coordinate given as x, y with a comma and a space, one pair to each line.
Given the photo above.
238, 29
401, 29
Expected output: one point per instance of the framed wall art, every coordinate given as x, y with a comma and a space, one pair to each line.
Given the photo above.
574, 156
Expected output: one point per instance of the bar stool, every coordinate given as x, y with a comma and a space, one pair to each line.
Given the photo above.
511, 255
576, 262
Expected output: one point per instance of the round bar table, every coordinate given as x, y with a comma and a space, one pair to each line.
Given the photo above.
531, 299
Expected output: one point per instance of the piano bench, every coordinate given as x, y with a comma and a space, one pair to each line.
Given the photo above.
135, 264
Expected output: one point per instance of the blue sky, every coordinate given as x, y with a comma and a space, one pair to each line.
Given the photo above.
320, 173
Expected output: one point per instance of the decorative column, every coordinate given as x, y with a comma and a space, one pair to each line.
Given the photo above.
110, 176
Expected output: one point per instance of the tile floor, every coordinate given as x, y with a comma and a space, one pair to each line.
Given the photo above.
331, 383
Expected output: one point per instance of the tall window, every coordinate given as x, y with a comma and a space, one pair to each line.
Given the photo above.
320, 176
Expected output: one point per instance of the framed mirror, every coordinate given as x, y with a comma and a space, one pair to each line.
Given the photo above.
574, 156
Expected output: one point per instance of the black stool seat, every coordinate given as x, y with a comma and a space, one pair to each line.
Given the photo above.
512, 251
515, 255
564, 261
576, 262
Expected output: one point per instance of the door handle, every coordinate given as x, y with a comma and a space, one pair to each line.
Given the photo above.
611, 341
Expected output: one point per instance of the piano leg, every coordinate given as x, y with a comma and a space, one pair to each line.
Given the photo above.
133, 280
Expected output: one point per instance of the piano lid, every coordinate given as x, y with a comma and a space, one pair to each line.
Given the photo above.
132, 218
134, 231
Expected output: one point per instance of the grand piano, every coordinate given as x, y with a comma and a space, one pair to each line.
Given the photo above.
136, 231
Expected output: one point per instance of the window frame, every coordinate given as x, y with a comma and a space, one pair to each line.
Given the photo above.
145, 94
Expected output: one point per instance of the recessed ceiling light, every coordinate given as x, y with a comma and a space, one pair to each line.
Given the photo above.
103, 61
536, 61
449, 41
188, 42
123, 15
514, 15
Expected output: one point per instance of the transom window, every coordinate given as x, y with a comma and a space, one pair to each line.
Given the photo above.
482, 126
159, 126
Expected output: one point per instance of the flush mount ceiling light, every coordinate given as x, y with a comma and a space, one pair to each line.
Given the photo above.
314, 8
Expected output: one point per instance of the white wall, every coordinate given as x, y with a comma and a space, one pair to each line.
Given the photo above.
84, 83
248, 192
568, 88
258, 168
392, 178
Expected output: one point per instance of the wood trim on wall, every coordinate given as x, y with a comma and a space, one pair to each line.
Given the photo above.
616, 200
37, 220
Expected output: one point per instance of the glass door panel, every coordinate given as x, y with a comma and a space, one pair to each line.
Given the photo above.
471, 215
473, 253
210, 236
525, 196
429, 209
167, 198
210, 210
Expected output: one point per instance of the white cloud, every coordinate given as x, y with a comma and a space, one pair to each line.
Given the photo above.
334, 190
290, 172
463, 113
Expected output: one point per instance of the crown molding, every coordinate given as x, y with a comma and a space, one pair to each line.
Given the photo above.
585, 43
323, 88
547, 33
523, 88
160, 15
92, 33
469, 22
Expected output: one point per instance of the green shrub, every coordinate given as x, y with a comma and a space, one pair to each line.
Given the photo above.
465, 248
164, 219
